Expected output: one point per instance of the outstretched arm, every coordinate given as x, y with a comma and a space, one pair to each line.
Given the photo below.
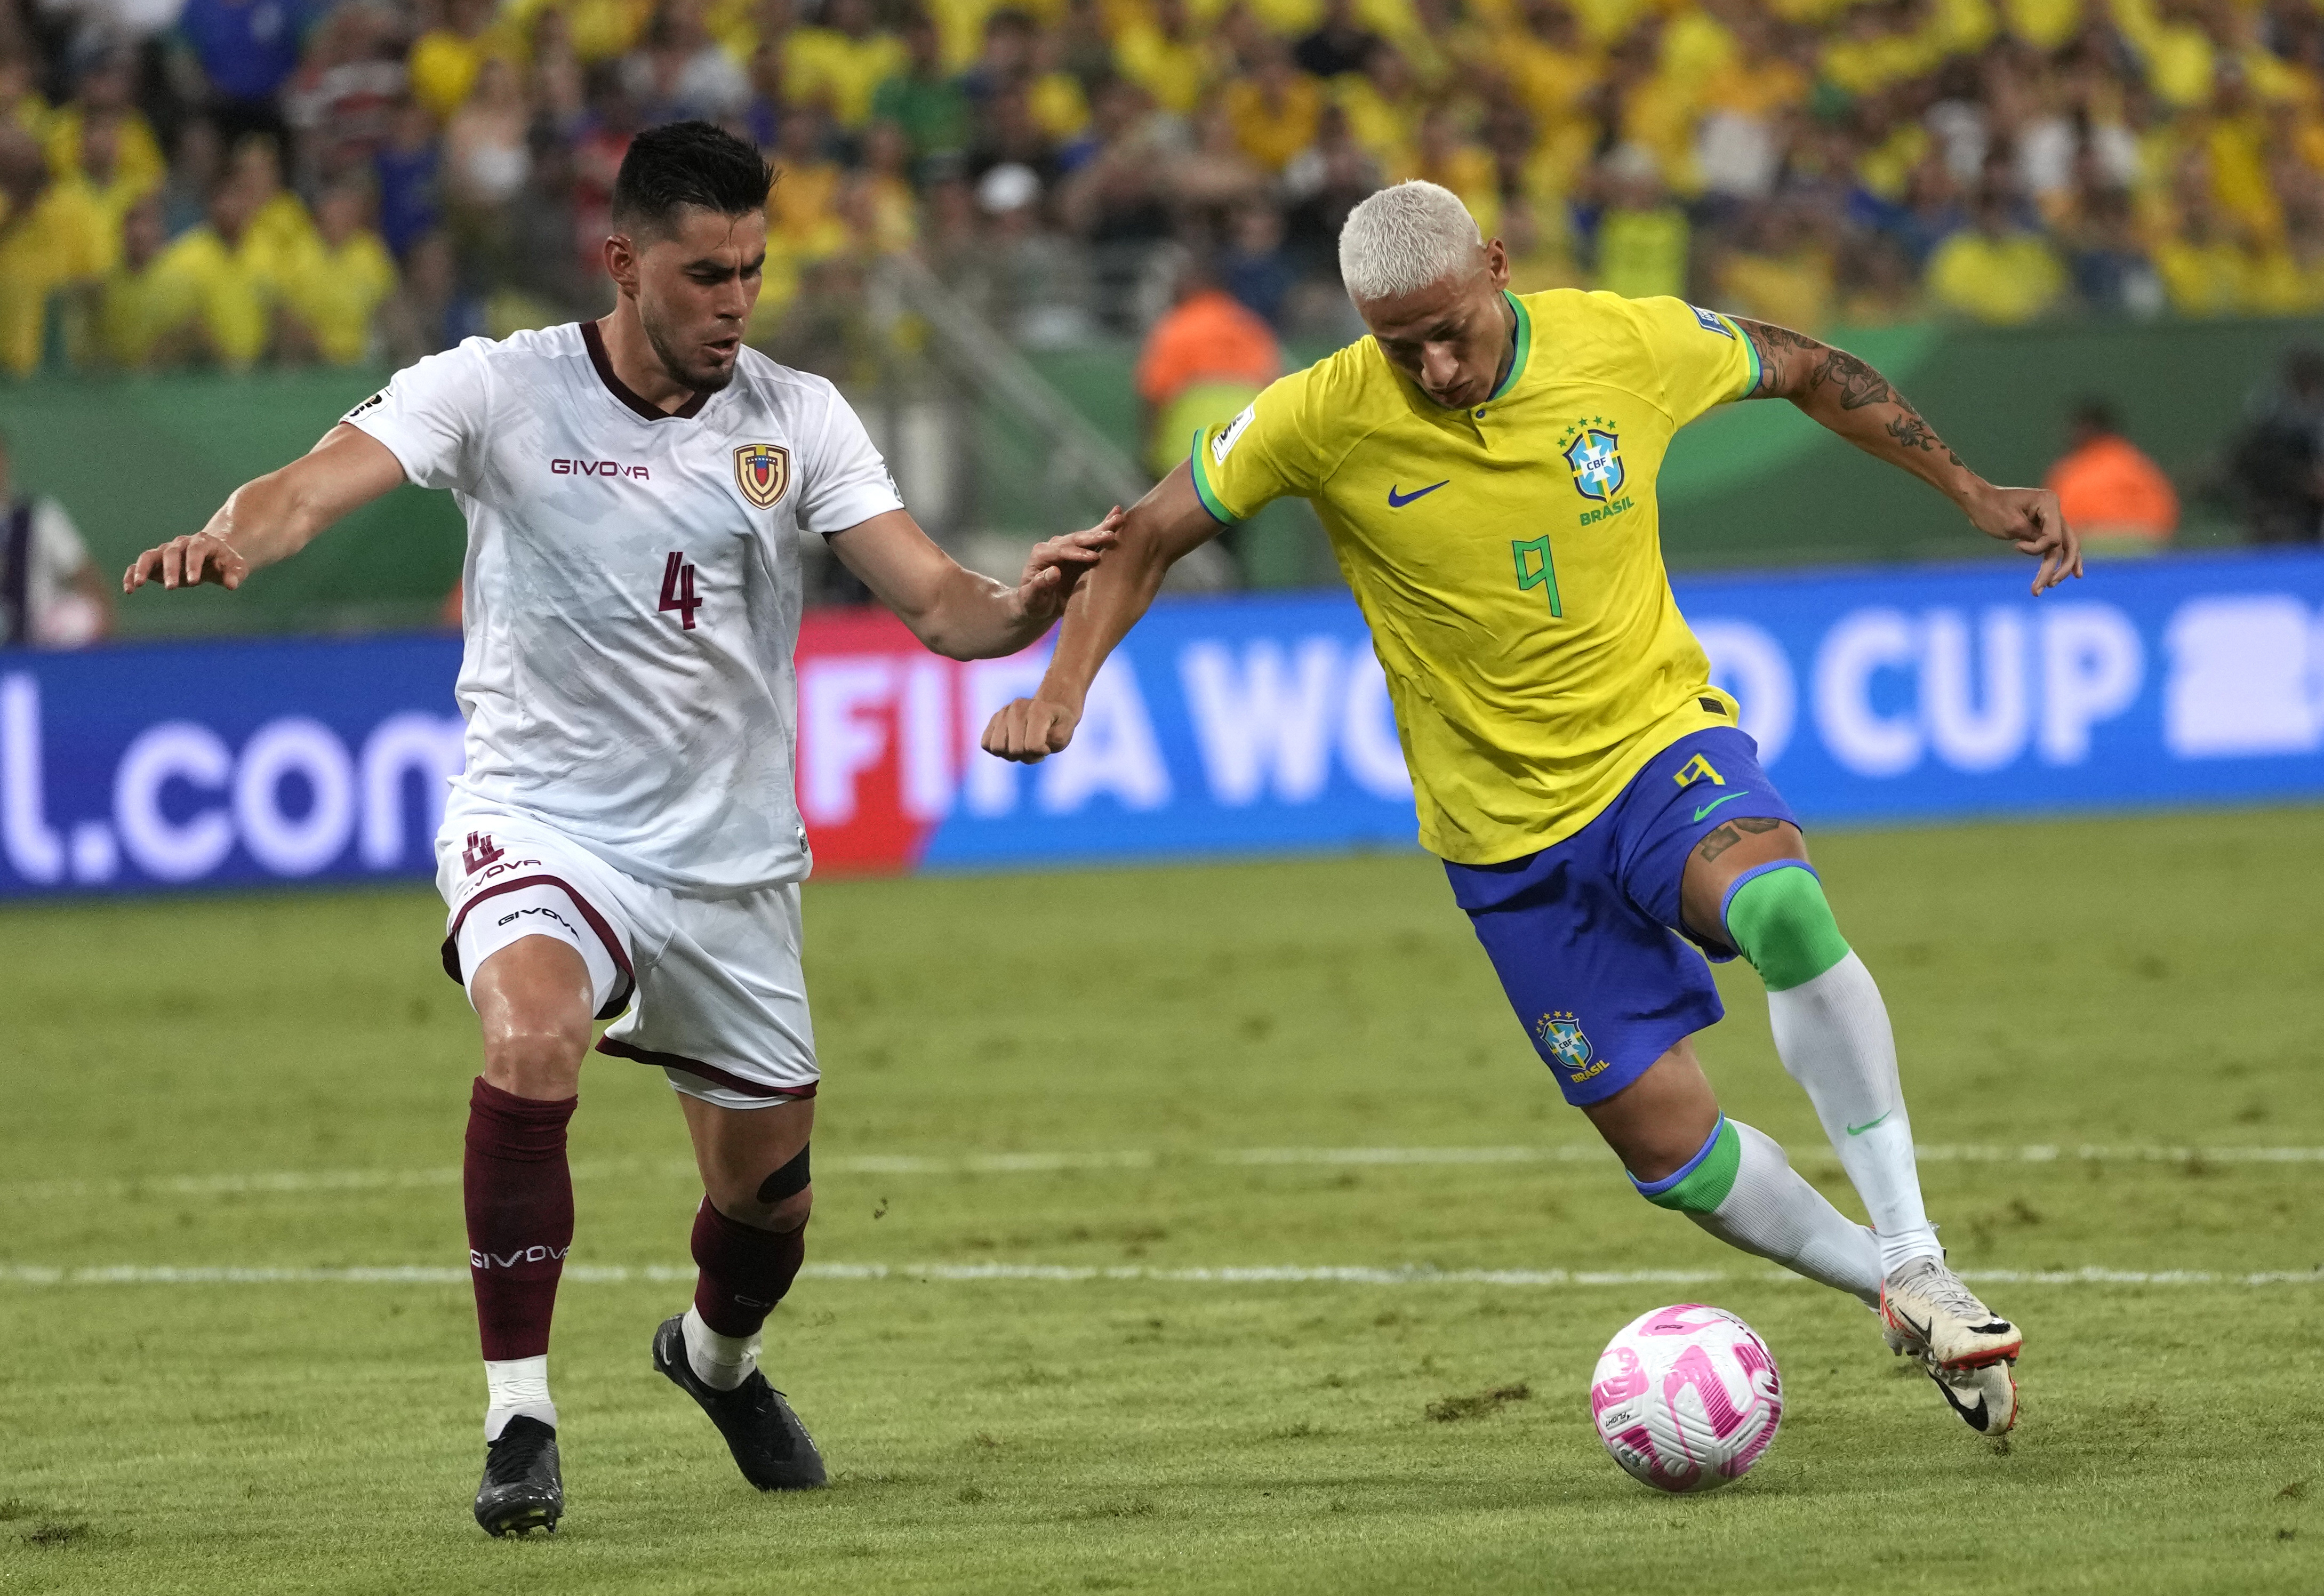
1161, 529
953, 611
274, 516
1847, 396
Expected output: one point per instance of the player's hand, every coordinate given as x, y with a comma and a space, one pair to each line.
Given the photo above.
1058, 567
1030, 730
188, 562
2030, 519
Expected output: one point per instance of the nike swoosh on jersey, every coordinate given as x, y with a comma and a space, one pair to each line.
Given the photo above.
1860, 1129
1396, 501
1714, 803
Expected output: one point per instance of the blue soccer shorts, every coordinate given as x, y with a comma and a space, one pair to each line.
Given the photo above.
1587, 936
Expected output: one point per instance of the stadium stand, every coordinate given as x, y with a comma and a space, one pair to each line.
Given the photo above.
238, 180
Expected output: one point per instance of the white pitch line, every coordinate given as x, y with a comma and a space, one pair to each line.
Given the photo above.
312, 1180
1409, 1274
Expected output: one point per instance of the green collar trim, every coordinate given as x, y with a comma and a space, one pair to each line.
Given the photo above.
1524, 346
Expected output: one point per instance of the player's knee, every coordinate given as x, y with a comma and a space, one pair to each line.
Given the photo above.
535, 1060
779, 1200
1701, 1184
1778, 917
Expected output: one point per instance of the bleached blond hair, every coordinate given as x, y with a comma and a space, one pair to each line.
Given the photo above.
1406, 238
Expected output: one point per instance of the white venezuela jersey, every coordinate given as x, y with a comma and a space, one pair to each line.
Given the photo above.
633, 592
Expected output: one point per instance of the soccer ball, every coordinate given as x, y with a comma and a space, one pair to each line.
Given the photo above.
1686, 1397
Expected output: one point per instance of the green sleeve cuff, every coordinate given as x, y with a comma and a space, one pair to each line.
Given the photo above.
1751, 349
1203, 489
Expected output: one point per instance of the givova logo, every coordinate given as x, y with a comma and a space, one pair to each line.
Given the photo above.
523, 1255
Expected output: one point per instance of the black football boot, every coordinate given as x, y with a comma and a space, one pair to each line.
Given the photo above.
522, 1489
769, 1444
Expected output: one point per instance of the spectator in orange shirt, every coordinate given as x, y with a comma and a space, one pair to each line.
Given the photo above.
2112, 494
1204, 361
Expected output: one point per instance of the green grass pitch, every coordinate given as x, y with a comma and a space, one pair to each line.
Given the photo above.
1129, 1075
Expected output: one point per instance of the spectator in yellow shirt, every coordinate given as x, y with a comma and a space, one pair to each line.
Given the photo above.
843, 62
279, 230
1995, 273
1274, 110
2204, 270
52, 243
1382, 106
1159, 52
334, 289
1441, 155
114, 191
145, 317
1643, 239
1781, 272
445, 61
107, 93
221, 267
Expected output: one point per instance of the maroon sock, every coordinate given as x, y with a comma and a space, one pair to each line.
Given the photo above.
519, 1202
745, 1271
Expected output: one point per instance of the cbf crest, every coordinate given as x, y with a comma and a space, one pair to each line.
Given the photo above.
1593, 453
1561, 1036
763, 471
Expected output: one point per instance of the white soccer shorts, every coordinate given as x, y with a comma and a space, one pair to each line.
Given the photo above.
712, 987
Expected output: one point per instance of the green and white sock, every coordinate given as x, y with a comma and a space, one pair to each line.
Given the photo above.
1742, 1189
1832, 1033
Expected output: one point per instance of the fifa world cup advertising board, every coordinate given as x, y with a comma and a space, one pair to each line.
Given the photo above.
1223, 726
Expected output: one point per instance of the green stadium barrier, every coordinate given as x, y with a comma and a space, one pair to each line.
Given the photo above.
138, 460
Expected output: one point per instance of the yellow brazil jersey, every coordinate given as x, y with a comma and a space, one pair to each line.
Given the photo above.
1507, 557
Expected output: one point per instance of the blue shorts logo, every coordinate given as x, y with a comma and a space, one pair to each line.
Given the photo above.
1562, 1038
1594, 456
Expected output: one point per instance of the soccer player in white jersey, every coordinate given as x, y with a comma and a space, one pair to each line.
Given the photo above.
625, 838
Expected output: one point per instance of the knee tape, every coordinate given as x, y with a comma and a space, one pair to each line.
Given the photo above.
788, 1181
1701, 1184
1776, 917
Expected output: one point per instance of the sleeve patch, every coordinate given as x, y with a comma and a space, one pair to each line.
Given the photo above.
1711, 323
378, 398
1225, 441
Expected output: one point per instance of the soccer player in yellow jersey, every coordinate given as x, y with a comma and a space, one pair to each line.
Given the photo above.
1485, 465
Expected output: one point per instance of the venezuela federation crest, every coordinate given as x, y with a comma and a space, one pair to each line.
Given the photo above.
763, 471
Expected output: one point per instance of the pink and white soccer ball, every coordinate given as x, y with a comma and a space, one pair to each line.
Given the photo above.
1687, 1397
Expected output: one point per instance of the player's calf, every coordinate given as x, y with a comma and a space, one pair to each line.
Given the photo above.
531, 997
711, 1351
1832, 1031
1741, 1187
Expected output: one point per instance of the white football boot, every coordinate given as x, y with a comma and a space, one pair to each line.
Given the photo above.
1985, 1398
1930, 1313
1966, 1348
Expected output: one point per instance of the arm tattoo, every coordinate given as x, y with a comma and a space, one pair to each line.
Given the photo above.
1774, 344
1857, 384
1732, 833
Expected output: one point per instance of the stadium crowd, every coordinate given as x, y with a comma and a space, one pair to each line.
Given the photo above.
232, 181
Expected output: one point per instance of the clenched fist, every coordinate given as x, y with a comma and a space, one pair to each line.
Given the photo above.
1030, 730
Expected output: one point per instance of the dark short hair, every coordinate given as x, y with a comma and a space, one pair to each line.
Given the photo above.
684, 163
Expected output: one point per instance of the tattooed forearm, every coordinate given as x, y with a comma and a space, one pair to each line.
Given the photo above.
1914, 433
1832, 385
1857, 383
1732, 833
